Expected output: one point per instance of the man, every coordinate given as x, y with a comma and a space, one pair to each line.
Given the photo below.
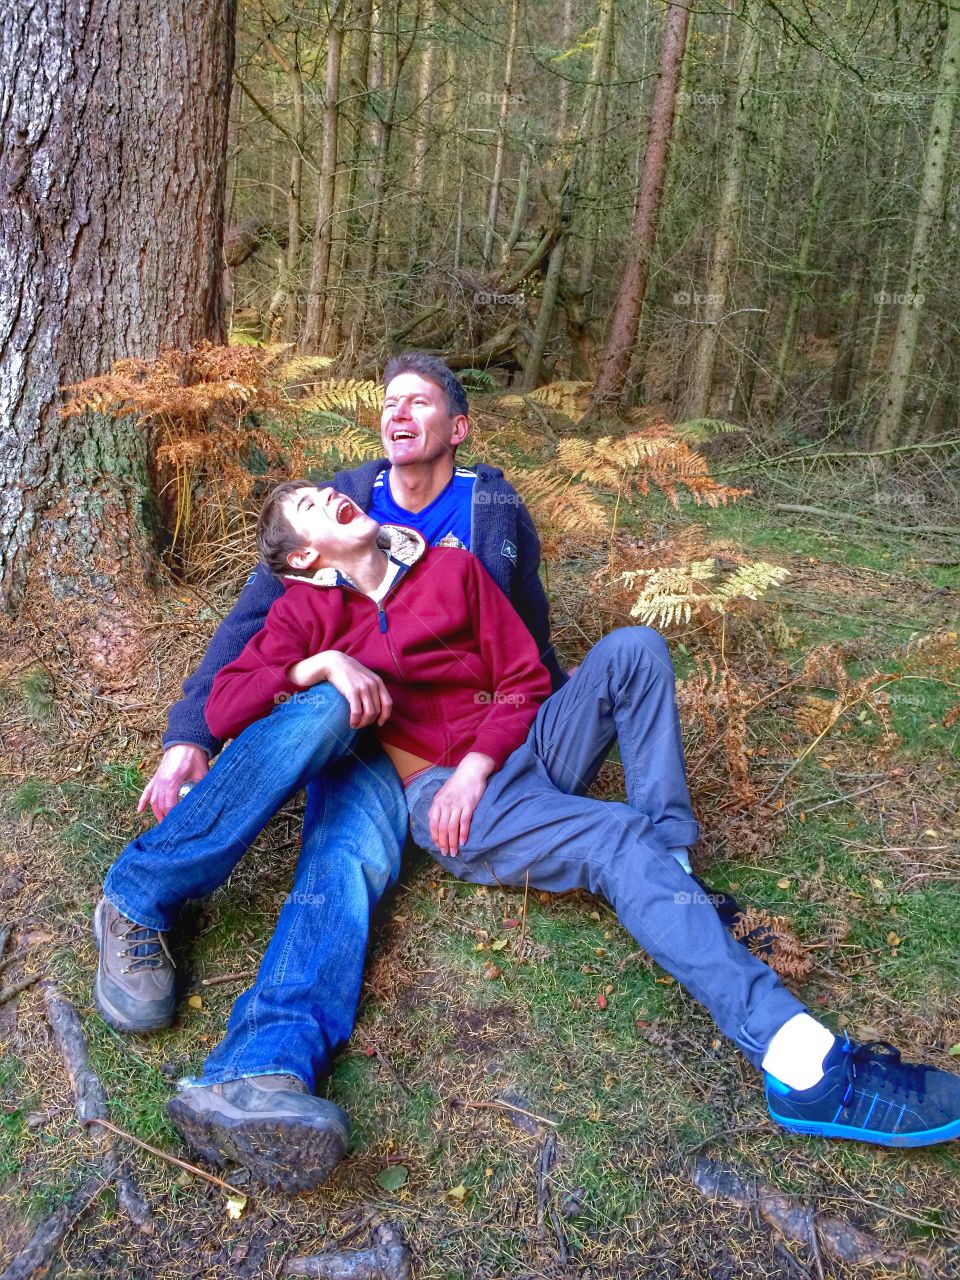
355, 819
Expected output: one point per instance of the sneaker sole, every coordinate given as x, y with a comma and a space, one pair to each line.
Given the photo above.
287, 1153
109, 1012
926, 1138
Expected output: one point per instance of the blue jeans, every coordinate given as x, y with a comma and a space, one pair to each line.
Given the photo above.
303, 1003
535, 826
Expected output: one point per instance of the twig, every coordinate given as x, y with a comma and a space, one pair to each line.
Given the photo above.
523, 922
952, 530
837, 799
544, 1165
815, 1241
165, 1155
36, 1256
502, 1106
228, 977
15, 988
388, 1066
5, 932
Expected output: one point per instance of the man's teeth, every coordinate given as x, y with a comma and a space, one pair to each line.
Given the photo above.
404, 435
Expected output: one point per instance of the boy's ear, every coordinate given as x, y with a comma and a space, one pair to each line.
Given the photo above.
302, 558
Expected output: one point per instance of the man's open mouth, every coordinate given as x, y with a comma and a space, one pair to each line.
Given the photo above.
403, 433
346, 511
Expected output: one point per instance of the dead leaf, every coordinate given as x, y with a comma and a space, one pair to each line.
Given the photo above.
195, 1003
236, 1206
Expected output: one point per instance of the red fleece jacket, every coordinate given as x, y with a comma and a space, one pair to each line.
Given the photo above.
462, 669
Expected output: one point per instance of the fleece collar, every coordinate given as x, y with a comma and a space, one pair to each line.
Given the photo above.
405, 546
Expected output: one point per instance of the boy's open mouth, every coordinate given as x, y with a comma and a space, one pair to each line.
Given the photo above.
346, 511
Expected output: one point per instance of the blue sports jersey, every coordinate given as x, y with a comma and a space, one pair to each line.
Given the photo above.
445, 522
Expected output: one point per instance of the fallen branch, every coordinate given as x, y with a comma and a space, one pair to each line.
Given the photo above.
91, 1103
502, 1106
952, 530
15, 988
387, 1259
228, 977
798, 1222
36, 1256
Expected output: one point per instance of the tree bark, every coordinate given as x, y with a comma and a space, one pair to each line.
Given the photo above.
113, 123
323, 235
493, 208
888, 425
626, 316
697, 399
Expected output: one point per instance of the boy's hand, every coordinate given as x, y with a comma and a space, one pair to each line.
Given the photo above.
454, 804
179, 764
370, 703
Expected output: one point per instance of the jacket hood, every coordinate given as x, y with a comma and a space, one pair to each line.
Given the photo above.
403, 545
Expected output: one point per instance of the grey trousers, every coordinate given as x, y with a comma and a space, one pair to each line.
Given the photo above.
535, 825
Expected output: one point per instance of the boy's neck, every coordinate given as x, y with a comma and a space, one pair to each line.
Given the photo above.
366, 568
415, 486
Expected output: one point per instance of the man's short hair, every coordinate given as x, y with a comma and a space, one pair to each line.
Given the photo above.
433, 370
275, 535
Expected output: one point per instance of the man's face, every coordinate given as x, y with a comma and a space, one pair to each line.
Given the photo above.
330, 527
415, 426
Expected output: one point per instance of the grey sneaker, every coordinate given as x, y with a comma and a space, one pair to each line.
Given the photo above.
285, 1136
134, 988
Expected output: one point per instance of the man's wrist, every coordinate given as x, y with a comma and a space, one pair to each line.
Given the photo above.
476, 764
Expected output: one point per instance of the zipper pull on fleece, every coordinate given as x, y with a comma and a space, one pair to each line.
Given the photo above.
381, 614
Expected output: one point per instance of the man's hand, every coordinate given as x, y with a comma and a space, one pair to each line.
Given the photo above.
454, 804
179, 764
370, 703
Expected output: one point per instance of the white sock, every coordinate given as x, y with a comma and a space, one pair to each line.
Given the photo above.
795, 1054
682, 855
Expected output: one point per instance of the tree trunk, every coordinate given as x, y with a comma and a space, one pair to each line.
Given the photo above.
886, 431
626, 315
595, 114
493, 208
697, 399
113, 125
285, 307
326, 189
421, 139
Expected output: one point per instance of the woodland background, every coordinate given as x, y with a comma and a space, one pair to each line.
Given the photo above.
696, 267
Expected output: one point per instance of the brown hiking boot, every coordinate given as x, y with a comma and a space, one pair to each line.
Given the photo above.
134, 988
285, 1136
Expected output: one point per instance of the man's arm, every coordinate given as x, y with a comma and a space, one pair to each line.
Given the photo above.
188, 743
529, 597
185, 720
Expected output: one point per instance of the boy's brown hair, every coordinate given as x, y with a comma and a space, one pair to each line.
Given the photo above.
275, 537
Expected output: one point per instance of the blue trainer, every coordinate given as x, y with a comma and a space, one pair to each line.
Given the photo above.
867, 1093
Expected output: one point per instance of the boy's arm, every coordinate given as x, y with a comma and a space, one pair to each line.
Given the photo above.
185, 721
530, 598
520, 680
259, 678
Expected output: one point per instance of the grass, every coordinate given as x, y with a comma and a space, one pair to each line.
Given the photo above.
635, 1087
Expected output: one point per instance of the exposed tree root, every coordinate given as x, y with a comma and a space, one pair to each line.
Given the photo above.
34, 1259
91, 1103
799, 1222
387, 1259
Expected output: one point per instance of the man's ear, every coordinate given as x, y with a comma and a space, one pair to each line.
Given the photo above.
302, 558
461, 429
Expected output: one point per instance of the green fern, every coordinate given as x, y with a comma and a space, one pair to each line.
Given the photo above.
702, 430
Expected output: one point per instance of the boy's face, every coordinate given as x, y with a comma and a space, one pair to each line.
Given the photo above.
330, 526
415, 425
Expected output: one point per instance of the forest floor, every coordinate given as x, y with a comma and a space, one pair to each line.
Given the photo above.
469, 998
